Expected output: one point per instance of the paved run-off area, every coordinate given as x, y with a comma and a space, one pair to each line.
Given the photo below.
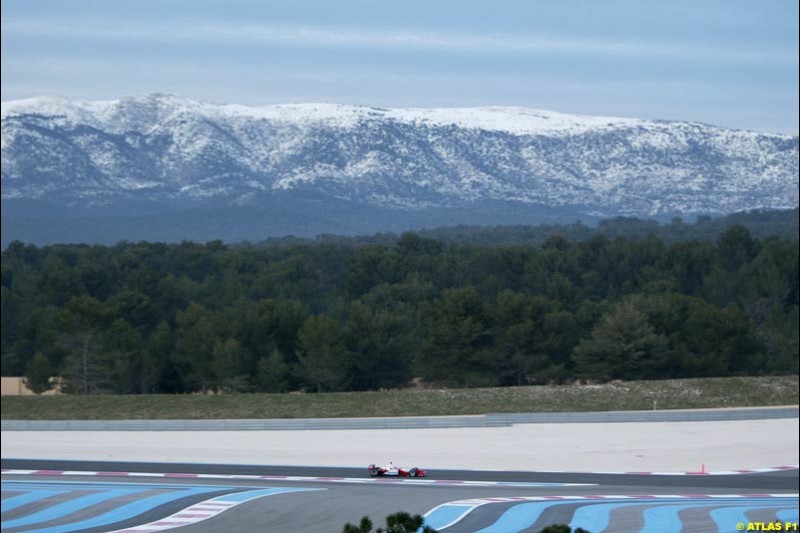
661, 446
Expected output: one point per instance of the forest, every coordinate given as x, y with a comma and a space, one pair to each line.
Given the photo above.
349, 314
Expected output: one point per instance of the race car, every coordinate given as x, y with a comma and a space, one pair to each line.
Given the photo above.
391, 470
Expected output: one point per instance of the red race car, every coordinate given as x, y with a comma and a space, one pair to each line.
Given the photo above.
391, 470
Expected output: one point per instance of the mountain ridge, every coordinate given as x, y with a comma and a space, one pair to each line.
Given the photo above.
480, 117
321, 110
181, 153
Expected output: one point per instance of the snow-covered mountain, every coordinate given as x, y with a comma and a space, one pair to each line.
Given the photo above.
165, 149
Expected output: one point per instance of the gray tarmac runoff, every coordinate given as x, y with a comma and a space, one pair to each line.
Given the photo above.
79, 488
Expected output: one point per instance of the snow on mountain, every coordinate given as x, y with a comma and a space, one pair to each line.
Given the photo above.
142, 113
163, 147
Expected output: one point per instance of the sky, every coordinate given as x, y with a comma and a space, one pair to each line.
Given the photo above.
732, 63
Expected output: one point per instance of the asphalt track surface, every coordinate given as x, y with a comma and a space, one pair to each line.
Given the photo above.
326, 506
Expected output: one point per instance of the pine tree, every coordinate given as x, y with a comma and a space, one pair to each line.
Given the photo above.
38, 374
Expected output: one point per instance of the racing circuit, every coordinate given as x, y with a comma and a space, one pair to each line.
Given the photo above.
64, 495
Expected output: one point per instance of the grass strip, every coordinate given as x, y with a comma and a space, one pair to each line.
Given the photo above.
615, 396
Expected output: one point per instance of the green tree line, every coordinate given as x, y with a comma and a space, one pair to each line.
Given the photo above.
334, 316
761, 224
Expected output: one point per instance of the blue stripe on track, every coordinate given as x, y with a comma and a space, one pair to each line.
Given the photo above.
727, 517
596, 516
789, 515
123, 512
445, 514
665, 519
520, 517
66, 508
524, 515
662, 517
29, 497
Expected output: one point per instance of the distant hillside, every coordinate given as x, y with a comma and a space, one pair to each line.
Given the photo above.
165, 168
783, 224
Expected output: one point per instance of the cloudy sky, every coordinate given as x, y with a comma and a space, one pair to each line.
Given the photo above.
733, 63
